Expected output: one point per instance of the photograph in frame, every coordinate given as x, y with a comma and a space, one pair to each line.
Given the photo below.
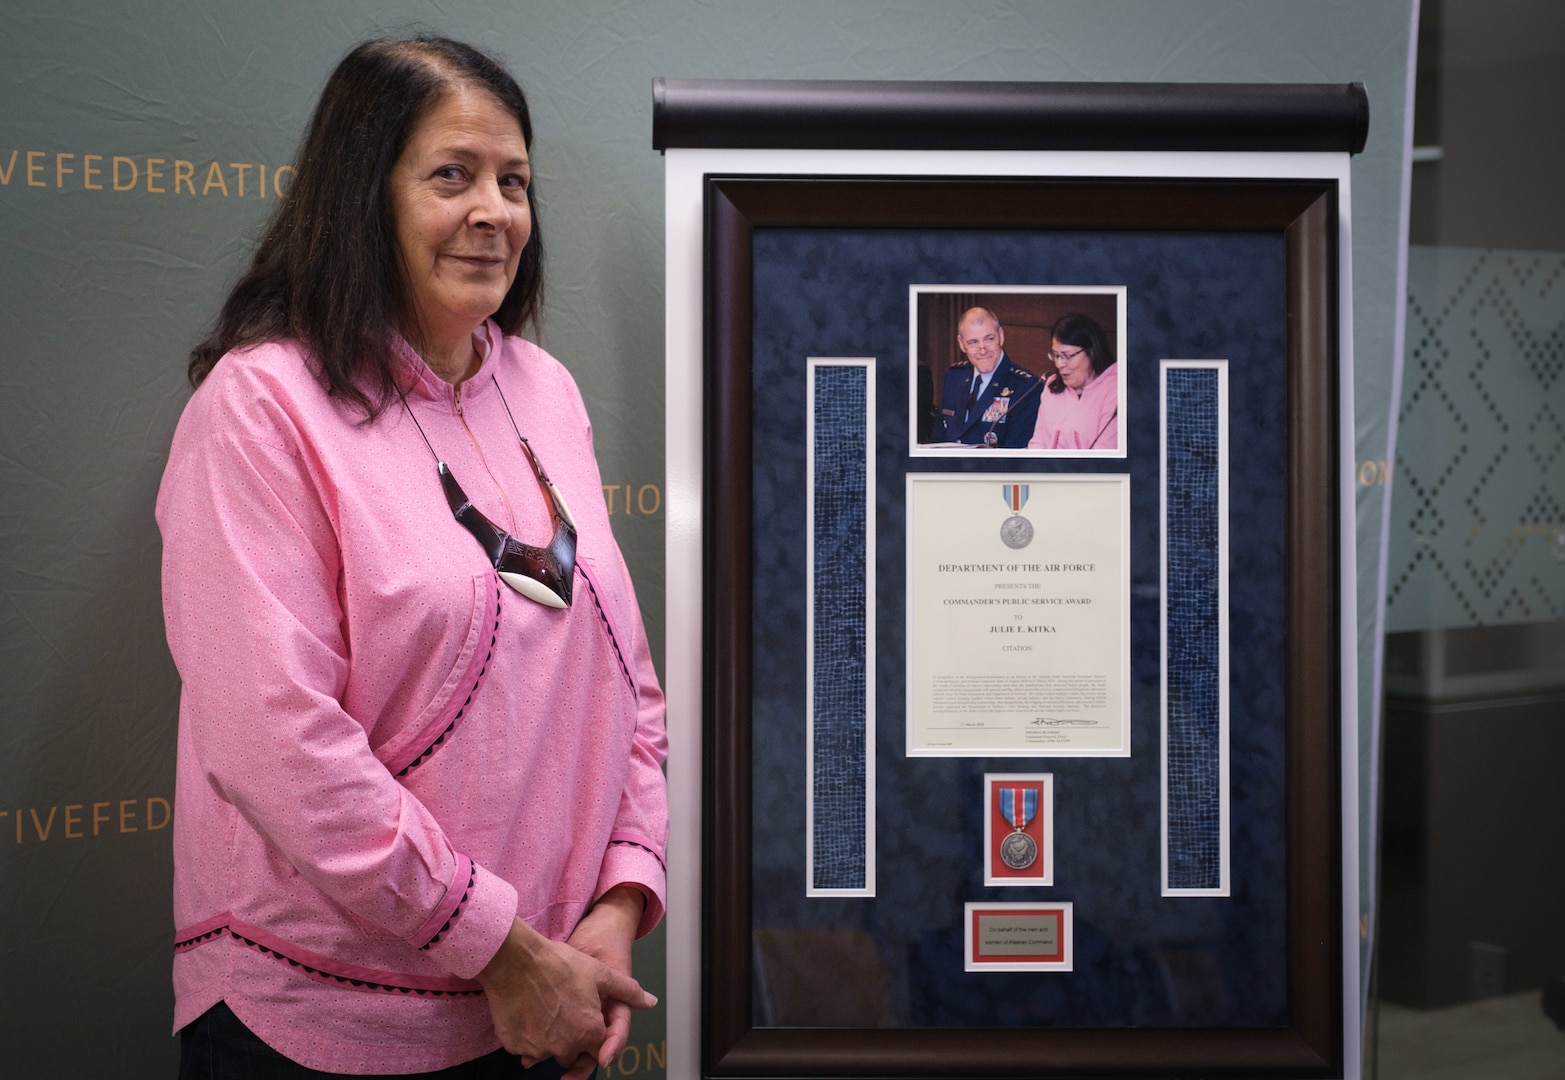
1017, 370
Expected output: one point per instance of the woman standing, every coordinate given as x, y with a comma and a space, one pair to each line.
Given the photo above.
420, 814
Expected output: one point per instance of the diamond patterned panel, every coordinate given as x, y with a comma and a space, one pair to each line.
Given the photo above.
1478, 503
1193, 663
840, 766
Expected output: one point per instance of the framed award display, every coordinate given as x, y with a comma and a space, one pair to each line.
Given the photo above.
1009, 569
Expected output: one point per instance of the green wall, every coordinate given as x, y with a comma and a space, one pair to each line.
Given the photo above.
133, 141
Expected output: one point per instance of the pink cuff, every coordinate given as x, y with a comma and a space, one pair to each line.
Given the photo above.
629, 862
439, 922
467, 938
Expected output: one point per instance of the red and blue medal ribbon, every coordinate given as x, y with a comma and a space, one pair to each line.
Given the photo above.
1008, 805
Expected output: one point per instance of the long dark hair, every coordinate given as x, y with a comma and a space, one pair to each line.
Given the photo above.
328, 272
1082, 332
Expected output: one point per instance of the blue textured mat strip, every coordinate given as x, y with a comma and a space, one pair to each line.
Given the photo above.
1193, 702
839, 652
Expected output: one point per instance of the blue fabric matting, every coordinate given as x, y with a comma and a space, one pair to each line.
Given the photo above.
1193, 649
841, 450
1140, 958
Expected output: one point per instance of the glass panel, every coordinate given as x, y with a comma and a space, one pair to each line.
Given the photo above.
1470, 965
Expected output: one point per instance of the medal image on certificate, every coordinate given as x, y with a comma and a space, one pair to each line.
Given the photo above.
1018, 829
1018, 625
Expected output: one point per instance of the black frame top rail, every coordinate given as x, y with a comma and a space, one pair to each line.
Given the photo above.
892, 115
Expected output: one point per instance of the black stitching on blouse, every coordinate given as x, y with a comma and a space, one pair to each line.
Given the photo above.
643, 847
441, 738
327, 975
472, 878
198, 938
602, 617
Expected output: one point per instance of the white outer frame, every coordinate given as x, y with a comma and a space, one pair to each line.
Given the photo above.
1221, 367
870, 419
685, 170
917, 449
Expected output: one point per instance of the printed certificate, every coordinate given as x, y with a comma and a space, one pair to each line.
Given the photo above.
1018, 620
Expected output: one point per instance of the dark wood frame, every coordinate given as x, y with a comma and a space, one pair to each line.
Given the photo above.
1305, 214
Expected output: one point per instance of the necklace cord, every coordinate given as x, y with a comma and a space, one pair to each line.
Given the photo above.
544, 483
420, 427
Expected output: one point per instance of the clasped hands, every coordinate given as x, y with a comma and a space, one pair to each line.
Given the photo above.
569, 1000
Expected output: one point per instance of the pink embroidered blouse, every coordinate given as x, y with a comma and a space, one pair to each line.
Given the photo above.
384, 752
1085, 421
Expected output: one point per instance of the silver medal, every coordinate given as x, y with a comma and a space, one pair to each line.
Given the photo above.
1018, 850
1016, 532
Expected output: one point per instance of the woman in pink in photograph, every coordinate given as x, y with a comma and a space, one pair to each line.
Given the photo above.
1079, 406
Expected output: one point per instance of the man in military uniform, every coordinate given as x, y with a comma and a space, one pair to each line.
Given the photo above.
986, 400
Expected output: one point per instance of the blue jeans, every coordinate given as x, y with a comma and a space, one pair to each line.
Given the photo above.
217, 1046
